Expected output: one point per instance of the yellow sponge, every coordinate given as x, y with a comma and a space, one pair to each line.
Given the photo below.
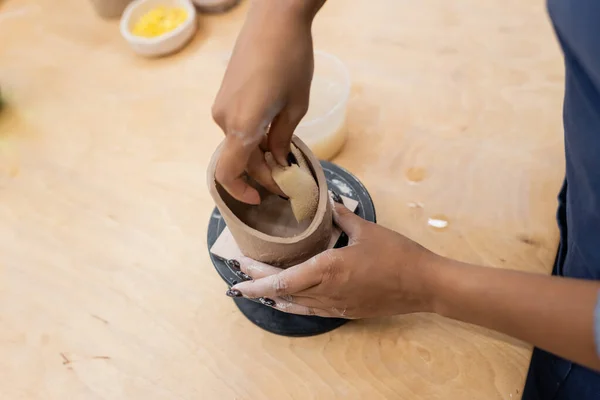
297, 182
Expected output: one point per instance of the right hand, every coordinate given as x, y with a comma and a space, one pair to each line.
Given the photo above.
380, 273
267, 83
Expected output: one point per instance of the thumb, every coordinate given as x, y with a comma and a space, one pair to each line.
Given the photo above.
348, 222
281, 132
230, 169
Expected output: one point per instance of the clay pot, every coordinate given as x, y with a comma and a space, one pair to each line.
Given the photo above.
269, 232
110, 9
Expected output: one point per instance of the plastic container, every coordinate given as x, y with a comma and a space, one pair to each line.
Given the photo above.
110, 9
323, 127
163, 44
215, 6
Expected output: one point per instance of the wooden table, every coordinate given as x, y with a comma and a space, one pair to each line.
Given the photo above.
106, 288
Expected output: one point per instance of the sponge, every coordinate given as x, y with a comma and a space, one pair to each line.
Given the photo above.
297, 182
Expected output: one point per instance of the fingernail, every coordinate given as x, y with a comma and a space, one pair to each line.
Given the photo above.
233, 293
234, 264
336, 197
291, 159
266, 301
244, 276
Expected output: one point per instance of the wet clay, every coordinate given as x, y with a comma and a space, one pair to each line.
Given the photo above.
270, 232
226, 247
273, 216
276, 216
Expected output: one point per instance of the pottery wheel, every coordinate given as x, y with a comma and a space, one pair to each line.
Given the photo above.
338, 180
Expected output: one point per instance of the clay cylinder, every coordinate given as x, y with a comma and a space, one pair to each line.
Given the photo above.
269, 232
110, 9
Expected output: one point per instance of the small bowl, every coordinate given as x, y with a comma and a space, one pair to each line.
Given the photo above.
166, 43
215, 6
323, 127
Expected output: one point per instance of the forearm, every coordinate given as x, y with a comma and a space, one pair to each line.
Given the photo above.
552, 313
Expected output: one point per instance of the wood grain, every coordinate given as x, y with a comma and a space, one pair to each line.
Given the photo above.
106, 288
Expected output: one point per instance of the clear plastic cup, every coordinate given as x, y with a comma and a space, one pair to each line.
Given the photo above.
323, 127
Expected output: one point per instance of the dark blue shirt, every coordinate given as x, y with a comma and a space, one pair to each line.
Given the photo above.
577, 27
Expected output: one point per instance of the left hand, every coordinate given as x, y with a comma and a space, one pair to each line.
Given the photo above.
266, 88
379, 273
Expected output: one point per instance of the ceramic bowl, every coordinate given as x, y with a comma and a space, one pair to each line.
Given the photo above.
215, 6
163, 44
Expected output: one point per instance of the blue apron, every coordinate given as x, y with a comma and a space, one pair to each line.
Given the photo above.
577, 27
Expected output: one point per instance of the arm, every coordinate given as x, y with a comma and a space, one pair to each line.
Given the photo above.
265, 89
553, 313
382, 273
307, 8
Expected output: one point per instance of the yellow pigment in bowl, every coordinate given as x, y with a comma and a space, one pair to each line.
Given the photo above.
159, 21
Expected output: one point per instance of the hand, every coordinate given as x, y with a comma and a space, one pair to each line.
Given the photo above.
266, 86
379, 273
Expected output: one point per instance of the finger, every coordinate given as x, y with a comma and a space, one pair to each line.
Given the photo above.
347, 220
316, 305
298, 309
264, 143
299, 305
230, 169
289, 281
281, 131
307, 301
284, 304
256, 269
244, 127
260, 171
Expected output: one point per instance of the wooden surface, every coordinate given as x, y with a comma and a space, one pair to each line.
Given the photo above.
106, 289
